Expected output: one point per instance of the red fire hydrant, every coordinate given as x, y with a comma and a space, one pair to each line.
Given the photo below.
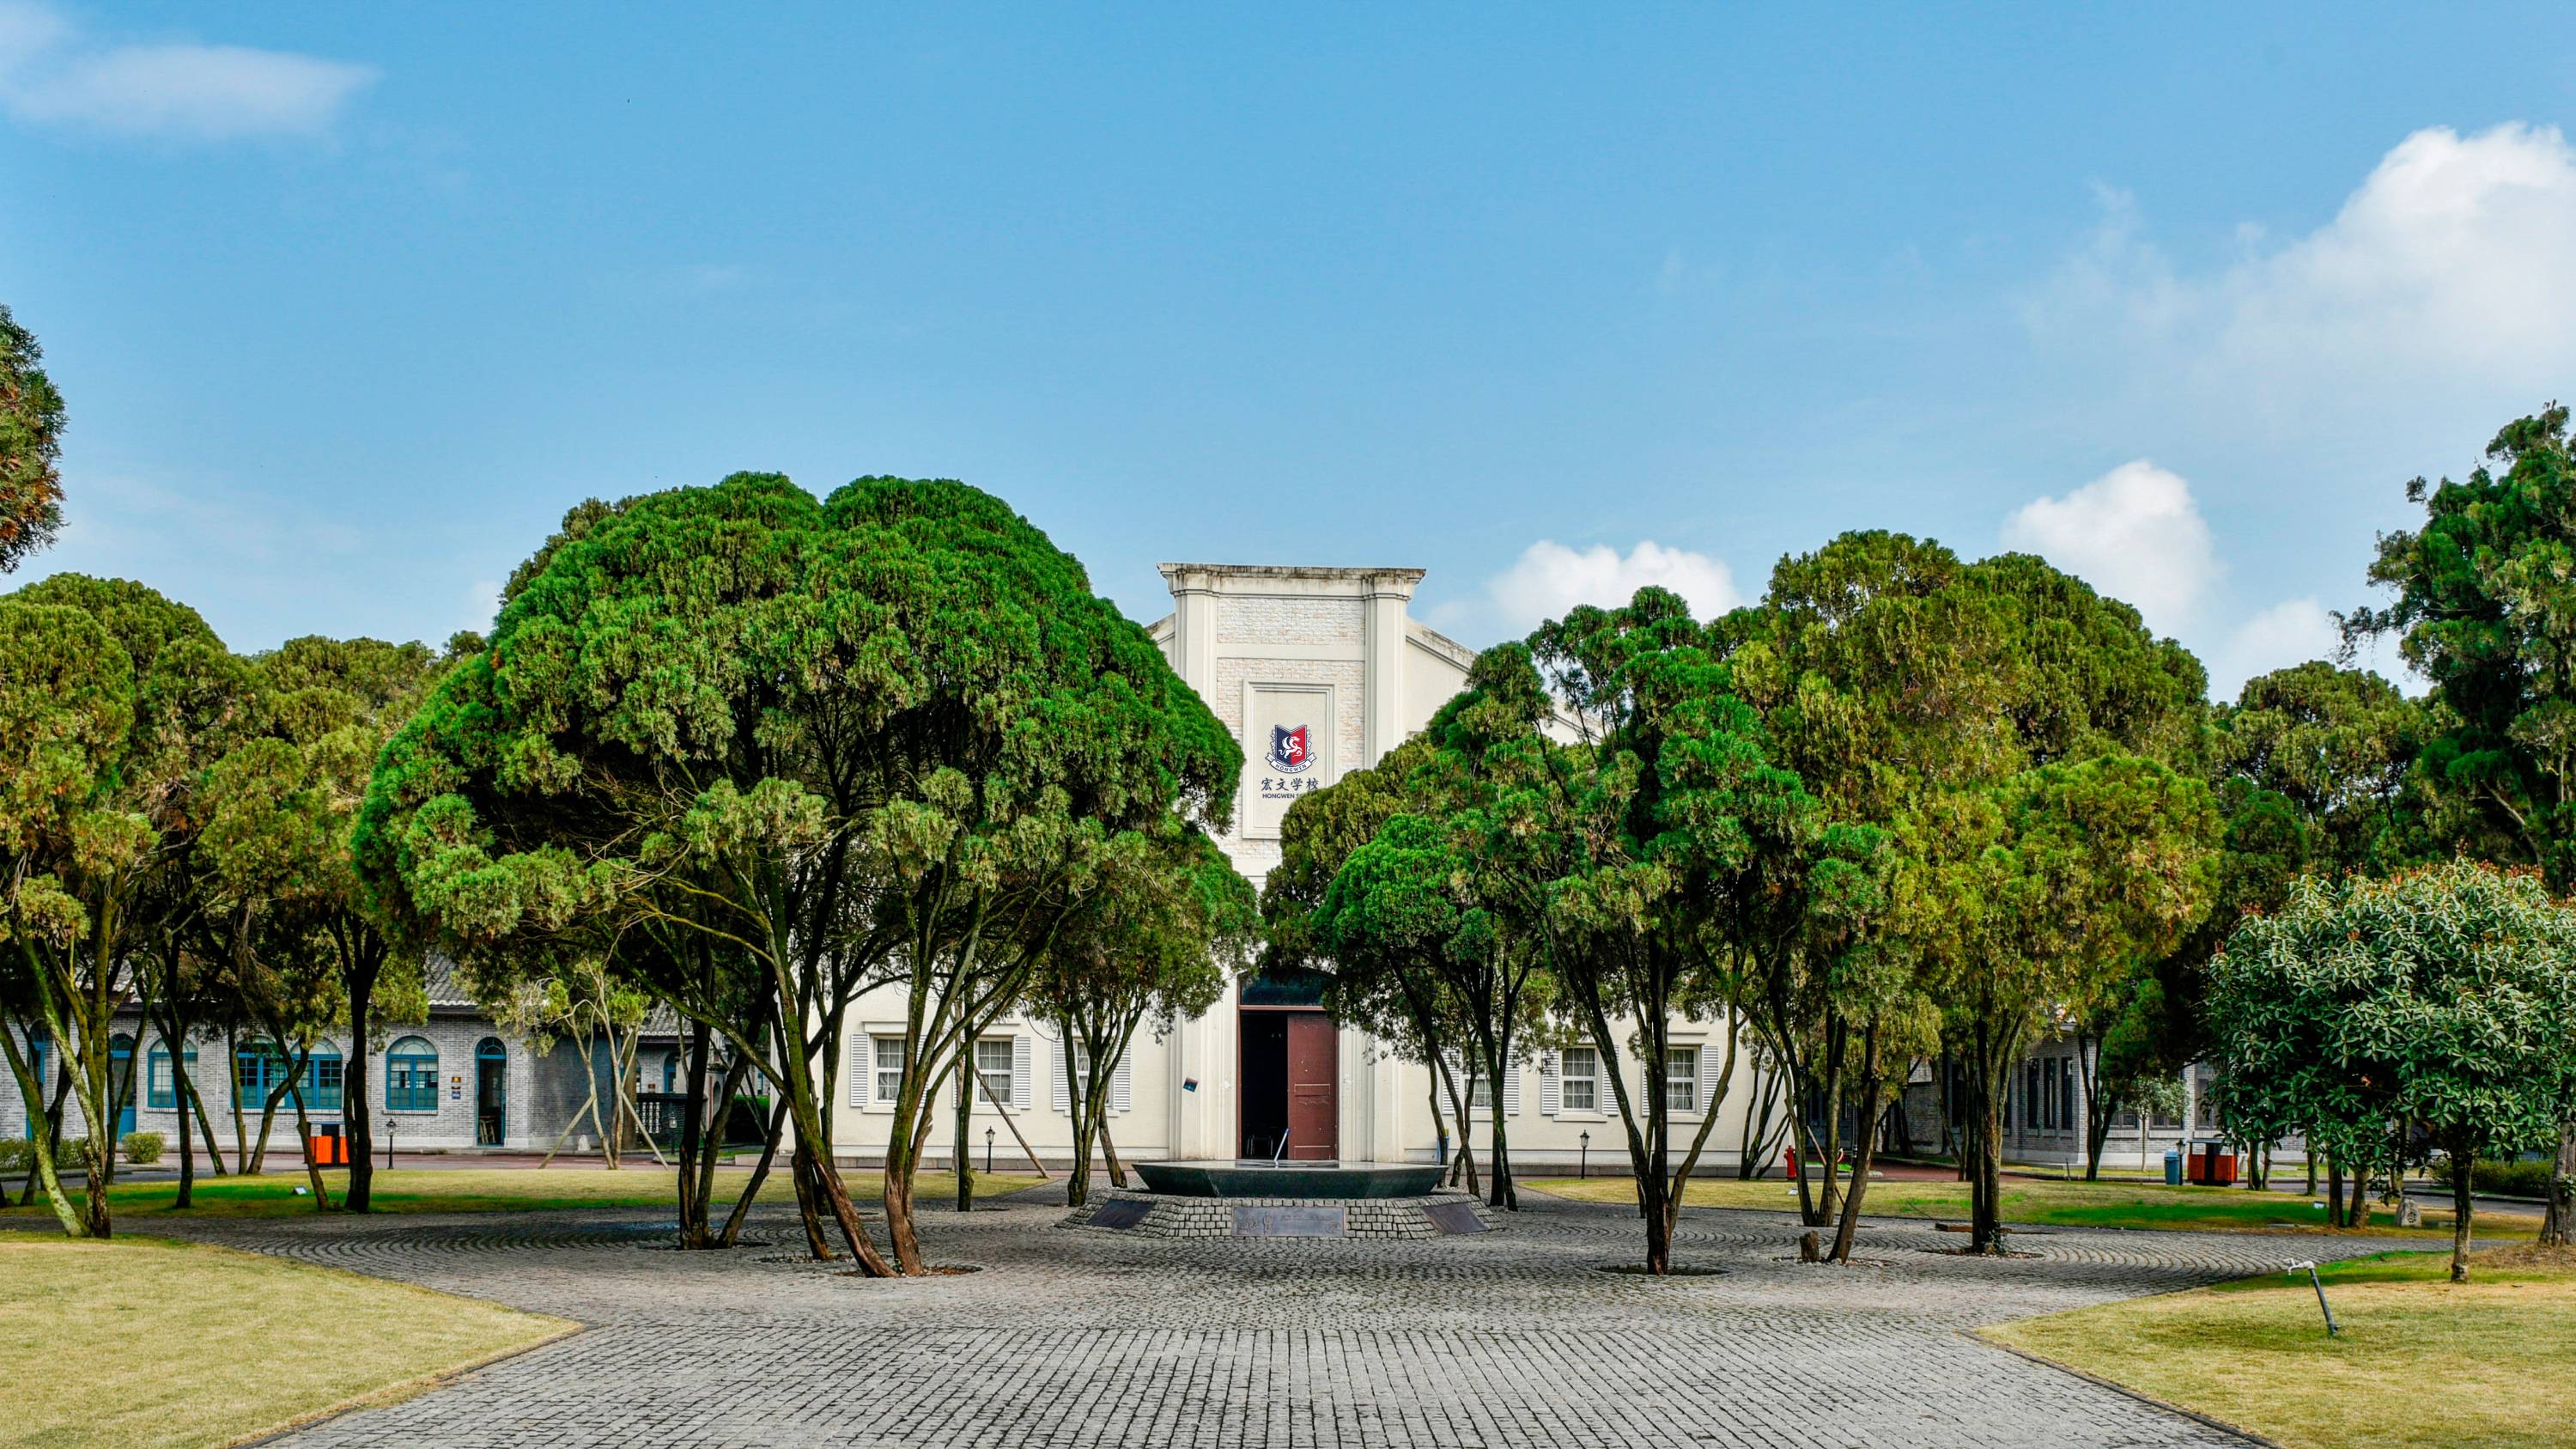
1789, 1159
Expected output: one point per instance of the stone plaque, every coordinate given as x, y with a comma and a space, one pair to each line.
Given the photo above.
1454, 1217
1288, 1222
1122, 1212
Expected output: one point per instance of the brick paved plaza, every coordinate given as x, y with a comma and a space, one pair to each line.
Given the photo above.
1085, 1337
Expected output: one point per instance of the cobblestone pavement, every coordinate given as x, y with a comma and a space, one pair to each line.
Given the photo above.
1085, 1337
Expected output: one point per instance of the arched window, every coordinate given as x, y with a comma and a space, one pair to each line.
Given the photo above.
259, 1068
411, 1076
160, 1086
324, 1075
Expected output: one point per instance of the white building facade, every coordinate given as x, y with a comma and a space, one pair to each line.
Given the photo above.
1318, 672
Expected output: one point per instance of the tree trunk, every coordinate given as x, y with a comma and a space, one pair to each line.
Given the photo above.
695, 1210
965, 1123
242, 1161
304, 1135
1864, 1146
1077, 1177
268, 1123
1985, 1076
2099, 1106
196, 1102
2463, 1159
50, 1134
809, 1212
187, 1138
1830, 1151
817, 1148
899, 1224
42, 1175
2559, 1227
2334, 1192
185, 1091
1109, 1154
759, 1174
357, 1125
1500, 1194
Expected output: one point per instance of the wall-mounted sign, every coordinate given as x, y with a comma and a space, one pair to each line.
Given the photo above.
1288, 732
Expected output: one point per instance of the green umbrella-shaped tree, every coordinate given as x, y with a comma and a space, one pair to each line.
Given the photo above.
886, 738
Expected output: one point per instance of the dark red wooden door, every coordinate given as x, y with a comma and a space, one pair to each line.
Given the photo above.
1314, 1099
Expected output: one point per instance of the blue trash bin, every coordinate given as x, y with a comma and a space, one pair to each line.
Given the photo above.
2173, 1167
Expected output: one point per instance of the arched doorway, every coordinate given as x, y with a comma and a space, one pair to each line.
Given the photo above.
491, 1092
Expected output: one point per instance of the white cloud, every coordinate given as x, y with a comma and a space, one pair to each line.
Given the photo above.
2134, 533
1549, 578
2290, 632
2445, 268
51, 75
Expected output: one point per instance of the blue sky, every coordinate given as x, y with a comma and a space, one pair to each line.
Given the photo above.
351, 302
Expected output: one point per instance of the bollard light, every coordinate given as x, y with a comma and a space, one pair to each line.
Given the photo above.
988, 1152
1586, 1159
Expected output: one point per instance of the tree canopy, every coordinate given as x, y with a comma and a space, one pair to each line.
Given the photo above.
2440, 996
119, 700
31, 434
884, 737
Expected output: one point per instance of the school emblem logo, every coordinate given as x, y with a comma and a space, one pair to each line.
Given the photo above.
1288, 751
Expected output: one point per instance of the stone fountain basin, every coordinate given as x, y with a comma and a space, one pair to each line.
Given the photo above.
1340, 1180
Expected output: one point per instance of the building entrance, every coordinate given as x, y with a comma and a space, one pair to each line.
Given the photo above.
1289, 1071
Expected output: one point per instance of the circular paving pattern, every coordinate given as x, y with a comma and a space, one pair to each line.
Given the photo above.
1096, 1338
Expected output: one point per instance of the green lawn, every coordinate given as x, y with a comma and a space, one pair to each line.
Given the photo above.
492, 1189
2068, 1204
2421, 1362
142, 1343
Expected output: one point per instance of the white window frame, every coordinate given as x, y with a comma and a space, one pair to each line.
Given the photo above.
1566, 1077
1677, 1081
885, 1083
986, 1075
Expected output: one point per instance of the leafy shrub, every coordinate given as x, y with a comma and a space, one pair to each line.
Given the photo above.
2513, 1179
17, 1155
2525, 1178
140, 1148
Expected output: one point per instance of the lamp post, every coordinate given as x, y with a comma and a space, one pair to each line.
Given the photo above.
389, 1144
988, 1152
1586, 1158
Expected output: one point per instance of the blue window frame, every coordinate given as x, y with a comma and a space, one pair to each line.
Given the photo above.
323, 1078
160, 1088
411, 1076
259, 1068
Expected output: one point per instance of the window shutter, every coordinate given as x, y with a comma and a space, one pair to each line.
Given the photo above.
1712, 1077
1059, 1096
1121, 1085
862, 1067
1551, 1087
1650, 1101
1512, 1090
1021, 1086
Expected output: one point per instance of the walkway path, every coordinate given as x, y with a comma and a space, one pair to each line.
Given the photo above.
1082, 1337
